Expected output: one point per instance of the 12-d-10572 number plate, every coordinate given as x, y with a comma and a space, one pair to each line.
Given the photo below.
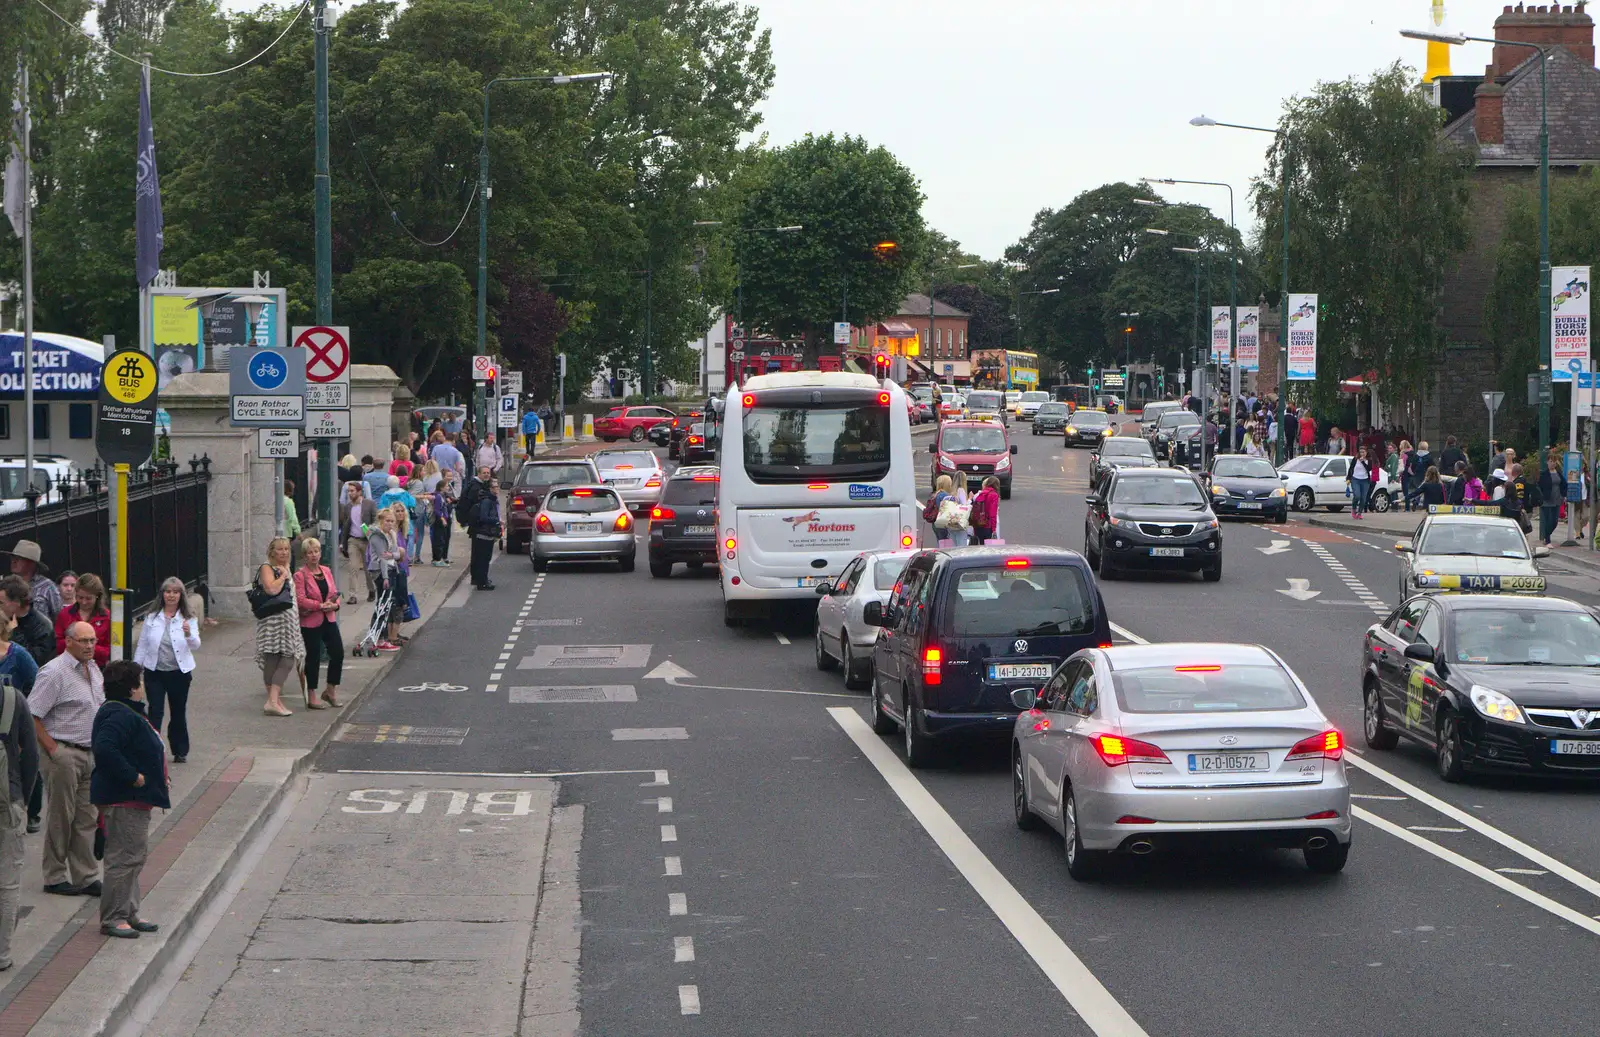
1228, 763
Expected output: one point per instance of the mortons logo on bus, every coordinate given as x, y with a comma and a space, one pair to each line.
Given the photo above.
812, 520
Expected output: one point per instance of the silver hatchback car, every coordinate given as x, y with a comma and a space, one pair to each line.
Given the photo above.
636, 475
583, 524
1139, 747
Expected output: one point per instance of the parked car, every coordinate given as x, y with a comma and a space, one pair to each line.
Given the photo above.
973, 451
1152, 518
50, 472
1140, 748
970, 625
583, 524
1318, 480
844, 639
631, 423
683, 527
528, 490
636, 475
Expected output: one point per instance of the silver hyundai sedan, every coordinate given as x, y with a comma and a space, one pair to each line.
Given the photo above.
1134, 748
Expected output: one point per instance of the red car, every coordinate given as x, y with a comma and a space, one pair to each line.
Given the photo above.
971, 451
631, 423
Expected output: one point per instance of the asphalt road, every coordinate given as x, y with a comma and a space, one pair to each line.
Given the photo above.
752, 863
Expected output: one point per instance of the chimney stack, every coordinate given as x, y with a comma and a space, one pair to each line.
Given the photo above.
1488, 102
1553, 25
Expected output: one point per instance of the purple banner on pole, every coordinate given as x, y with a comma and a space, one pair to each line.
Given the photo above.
148, 224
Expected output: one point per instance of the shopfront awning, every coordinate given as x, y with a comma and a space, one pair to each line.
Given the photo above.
896, 329
64, 367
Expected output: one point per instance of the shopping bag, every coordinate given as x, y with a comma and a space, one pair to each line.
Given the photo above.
412, 611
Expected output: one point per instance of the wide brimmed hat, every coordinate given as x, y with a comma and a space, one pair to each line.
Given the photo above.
31, 551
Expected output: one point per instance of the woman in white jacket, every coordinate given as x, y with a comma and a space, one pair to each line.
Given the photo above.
167, 642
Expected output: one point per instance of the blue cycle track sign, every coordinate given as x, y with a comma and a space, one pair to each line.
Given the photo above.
268, 371
267, 387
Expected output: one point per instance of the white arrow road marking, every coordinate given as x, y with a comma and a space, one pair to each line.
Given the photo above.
669, 671
675, 675
1299, 590
1278, 547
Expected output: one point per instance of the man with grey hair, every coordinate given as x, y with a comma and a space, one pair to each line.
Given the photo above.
27, 561
66, 696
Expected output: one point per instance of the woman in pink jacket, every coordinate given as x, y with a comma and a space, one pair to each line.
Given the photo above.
318, 598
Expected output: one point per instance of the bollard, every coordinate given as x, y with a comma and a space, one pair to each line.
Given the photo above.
539, 438
566, 428
588, 427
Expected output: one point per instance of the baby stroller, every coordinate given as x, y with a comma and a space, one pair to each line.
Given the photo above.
382, 608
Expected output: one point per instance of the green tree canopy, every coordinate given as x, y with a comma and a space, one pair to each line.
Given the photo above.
1377, 215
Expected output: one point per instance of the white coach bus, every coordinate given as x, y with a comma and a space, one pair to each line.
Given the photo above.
816, 468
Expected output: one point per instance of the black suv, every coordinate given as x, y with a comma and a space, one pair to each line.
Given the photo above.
683, 526
1168, 427
968, 626
1152, 518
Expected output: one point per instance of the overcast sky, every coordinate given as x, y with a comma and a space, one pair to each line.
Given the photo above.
1004, 107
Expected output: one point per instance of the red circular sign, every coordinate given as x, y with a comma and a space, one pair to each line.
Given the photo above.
327, 356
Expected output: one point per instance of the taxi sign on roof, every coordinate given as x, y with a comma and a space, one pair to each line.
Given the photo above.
1465, 509
1506, 584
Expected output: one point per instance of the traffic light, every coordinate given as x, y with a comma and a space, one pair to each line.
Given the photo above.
880, 365
488, 383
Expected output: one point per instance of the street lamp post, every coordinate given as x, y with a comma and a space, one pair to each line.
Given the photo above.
1546, 364
1283, 292
1233, 307
484, 191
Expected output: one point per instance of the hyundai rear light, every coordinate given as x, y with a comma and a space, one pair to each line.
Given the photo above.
542, 524
1206, 668
660, 514
1134, 819
932, 658
1116, 750
1328, 745
624, 523
1323, 815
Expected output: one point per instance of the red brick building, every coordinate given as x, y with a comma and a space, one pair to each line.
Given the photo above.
1497, 117
940, 347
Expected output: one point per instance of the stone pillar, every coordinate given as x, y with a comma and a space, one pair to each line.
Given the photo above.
240, 497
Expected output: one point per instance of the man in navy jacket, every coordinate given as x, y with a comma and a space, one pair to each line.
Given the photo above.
129, 780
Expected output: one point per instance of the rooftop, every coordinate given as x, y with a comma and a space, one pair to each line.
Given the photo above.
916, 305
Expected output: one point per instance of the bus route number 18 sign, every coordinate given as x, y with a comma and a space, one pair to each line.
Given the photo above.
1569, 320
1302, 323
125, 430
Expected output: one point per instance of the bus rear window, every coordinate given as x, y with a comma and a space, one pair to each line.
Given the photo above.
798, 443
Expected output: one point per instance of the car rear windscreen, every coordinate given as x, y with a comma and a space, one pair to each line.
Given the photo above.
553, 475
1036, 601
984, 400
582, 502
1205, 688
698, 492
801, 442
625, 459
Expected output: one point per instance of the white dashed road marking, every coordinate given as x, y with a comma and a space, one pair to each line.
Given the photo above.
689, 999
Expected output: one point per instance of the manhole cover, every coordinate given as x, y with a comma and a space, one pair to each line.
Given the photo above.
576, 693
558, 657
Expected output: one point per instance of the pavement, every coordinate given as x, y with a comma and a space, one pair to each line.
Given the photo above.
728, 850
67, 980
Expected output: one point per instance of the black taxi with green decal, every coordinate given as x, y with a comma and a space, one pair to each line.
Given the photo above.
1498, 682
1471, 549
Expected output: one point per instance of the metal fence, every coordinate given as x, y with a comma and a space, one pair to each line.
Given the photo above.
167, 528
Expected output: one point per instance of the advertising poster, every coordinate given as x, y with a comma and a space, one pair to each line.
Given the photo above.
1220, 337
1569, 320
1302, 323
1249, 338
175, 334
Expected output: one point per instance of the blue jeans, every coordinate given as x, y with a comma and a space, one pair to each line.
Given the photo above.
1360, 492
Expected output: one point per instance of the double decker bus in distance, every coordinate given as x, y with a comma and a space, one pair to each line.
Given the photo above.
816, 467
1074, 396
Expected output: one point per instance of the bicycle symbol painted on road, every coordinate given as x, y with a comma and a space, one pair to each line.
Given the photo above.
433, 686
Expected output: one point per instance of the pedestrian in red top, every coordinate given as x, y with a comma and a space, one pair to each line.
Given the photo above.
90, 608
985, 515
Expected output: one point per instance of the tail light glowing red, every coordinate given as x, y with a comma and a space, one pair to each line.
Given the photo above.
1323, 815
660, 514
1016, 563
542, 524
583, 493
1117, 750
932, 658
749, 399
817, 486
624, 523
651, 484
1134, 819
1329, 745
706, 478
883, 399
693, 440
1208, 668
906, 540
517, 502
731, 543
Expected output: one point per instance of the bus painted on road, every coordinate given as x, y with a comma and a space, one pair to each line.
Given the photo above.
816, 468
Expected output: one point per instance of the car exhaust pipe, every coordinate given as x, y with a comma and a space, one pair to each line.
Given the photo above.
1141, 847
1316, 842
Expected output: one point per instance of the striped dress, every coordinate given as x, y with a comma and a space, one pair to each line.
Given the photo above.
279, 633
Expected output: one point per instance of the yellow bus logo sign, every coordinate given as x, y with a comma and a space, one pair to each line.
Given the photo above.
129, 377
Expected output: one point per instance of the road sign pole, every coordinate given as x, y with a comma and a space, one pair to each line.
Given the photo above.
119, 590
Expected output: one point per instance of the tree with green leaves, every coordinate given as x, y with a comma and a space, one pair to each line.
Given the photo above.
1512, 308
1378, 213
863, 244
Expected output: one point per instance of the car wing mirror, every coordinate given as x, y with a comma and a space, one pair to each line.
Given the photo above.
824, 588
872, 614
1420, 652
1284, 476
1013, 448
1404, 547
1094, 499
1027, 698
